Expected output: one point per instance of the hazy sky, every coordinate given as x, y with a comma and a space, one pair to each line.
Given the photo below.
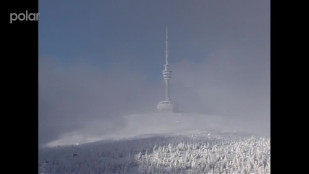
102, 59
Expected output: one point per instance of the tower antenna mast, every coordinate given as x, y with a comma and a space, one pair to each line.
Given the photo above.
166, 105
166, 46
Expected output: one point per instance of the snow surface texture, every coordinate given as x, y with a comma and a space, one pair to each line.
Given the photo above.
192, 153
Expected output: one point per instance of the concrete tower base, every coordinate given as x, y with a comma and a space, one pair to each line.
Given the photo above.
166, 106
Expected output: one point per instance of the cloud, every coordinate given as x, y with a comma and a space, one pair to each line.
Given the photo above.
233, 81
77, 95
80, 100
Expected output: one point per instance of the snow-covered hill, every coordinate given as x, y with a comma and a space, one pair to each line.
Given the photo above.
195, 152
137, 125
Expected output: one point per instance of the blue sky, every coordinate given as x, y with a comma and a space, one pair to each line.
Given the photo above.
219, 52
132, 31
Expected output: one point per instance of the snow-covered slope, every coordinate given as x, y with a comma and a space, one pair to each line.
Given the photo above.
194, 152
136, 125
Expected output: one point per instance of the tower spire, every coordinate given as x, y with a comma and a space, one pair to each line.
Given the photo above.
166, 45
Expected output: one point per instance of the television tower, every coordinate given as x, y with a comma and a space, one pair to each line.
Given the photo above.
166, 105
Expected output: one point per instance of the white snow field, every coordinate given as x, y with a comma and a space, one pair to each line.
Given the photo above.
195, 152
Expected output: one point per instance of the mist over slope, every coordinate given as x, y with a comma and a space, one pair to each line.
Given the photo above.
141, 125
